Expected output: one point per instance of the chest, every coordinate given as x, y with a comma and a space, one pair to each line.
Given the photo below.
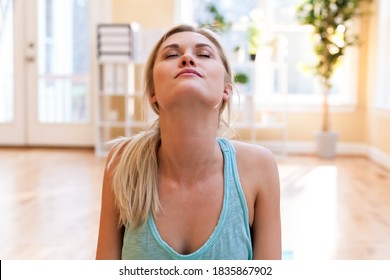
189, 214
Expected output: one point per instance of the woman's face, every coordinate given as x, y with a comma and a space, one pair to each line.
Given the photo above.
188, 72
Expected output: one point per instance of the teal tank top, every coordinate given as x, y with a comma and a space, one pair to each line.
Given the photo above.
230, 239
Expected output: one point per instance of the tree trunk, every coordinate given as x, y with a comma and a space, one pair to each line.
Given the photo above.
325, 105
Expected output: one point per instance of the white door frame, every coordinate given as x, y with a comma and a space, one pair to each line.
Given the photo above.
13, 133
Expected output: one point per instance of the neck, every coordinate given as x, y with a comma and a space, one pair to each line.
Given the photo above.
189, 149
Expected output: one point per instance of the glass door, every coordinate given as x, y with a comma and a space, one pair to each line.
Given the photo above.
47, 54
58, 72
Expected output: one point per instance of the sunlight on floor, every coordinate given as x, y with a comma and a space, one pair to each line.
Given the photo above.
308, 206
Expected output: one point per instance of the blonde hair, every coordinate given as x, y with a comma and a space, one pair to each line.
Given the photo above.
135, 176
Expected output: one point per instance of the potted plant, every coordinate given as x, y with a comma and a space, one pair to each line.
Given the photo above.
254, 33
241, 80
331, 37
253, 30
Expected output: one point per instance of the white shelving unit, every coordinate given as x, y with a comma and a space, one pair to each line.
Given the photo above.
119, 96
262, 104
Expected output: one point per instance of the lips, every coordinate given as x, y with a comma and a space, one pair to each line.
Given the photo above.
188, 71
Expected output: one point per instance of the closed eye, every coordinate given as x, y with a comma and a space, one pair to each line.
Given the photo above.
204, 55
170, 55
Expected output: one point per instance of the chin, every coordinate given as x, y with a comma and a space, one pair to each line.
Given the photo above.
190, 95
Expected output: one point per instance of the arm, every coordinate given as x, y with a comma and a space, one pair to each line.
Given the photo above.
266, 227
110, 234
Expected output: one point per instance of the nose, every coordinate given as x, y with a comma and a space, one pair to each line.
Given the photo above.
187, 60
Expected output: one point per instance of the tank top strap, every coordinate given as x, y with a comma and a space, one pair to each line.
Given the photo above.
230, 157
226, 145
228, 150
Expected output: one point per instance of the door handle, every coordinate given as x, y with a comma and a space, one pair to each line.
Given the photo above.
30, 59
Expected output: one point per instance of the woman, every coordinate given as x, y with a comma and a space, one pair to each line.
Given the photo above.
177, 191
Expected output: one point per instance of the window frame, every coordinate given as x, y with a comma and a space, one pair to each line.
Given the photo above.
382, 67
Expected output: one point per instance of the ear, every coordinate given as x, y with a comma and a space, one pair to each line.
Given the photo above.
228, 90
153, 99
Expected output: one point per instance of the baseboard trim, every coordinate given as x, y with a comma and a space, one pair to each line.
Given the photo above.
343, 148
380, 157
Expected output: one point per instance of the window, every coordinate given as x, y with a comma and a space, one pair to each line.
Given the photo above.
279, 29
383, 68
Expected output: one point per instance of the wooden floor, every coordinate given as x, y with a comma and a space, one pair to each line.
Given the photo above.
331, 209
335, 209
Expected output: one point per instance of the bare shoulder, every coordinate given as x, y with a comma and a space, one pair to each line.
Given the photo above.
254, 155
257, 166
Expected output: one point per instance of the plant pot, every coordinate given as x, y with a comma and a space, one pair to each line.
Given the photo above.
326, 144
